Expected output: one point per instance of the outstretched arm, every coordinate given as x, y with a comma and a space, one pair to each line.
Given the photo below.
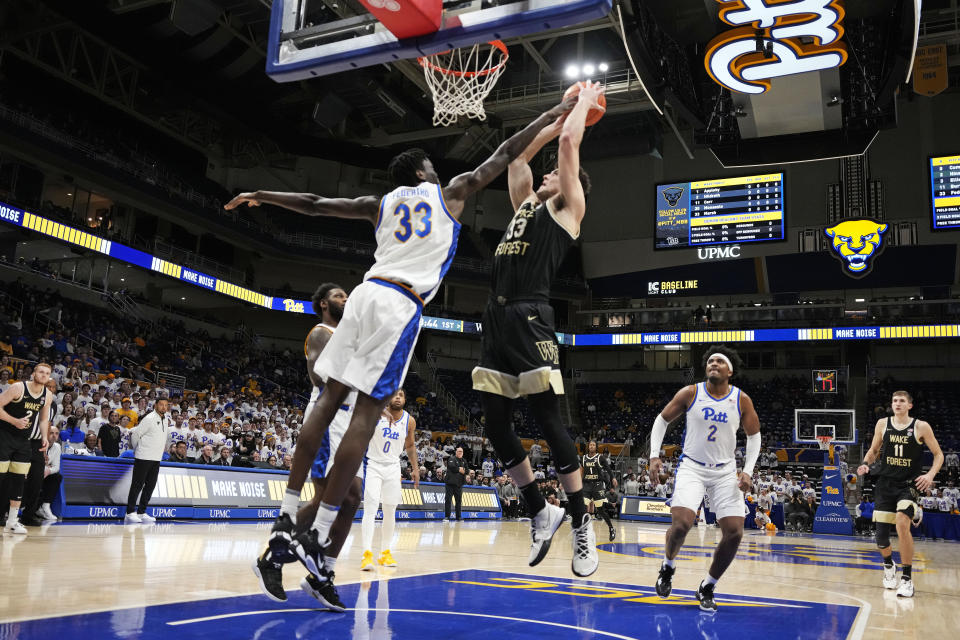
466, 184
308, 204
568, 158
519, 175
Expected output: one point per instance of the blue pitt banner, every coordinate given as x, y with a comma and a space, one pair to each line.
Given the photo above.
96, 487
832, 514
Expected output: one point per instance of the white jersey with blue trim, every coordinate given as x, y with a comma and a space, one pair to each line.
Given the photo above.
416, 239
712, 424
386, 445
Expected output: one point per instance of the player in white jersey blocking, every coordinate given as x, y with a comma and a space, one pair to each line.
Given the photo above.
328, 303
382, 482
715, 411
416, 228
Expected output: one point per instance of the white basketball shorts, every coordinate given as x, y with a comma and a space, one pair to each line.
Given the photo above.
371, 348
719, 485
331, 439
382, 484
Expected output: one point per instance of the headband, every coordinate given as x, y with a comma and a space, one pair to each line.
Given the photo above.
722, 357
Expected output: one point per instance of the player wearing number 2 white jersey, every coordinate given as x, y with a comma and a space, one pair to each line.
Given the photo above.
394, 435
715, 410
416, 227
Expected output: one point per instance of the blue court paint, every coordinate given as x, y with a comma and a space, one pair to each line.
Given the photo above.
824, 555
459, 604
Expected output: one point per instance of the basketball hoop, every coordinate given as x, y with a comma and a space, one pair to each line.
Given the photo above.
460, 80
824, 442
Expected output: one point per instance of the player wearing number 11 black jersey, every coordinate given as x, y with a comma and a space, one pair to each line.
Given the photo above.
895, 460
24, 414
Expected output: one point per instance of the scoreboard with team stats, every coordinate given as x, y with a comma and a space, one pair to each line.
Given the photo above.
720, 211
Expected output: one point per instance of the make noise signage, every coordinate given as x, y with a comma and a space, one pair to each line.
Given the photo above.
773, 39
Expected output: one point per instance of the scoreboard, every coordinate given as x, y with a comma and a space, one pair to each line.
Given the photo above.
721, 211
945, 191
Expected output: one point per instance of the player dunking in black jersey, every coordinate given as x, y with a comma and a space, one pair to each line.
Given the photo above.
595, 478
519, 354
897, 449
24, 414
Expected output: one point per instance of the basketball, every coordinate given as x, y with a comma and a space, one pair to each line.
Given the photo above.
594, 115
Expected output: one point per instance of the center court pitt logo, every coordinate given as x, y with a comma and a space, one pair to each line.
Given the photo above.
856, 243
794, 36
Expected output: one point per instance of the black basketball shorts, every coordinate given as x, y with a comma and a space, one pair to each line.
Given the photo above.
15, 452
891, 496
593, 492
519, 355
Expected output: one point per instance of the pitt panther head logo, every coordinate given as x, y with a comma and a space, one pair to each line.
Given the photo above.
672, 195
855, 242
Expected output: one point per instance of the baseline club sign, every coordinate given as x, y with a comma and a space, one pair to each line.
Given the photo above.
779, 29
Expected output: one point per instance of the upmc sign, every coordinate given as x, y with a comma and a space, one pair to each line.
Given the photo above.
769, 41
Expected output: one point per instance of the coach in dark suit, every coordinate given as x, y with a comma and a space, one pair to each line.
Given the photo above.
456, 470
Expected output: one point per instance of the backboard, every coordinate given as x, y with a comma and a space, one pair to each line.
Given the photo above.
810, 423
304, 42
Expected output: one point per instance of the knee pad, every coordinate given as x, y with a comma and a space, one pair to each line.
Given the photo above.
883, 534
15, 482
496, 411
546, 410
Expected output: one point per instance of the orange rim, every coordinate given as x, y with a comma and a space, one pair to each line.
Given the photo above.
425, 62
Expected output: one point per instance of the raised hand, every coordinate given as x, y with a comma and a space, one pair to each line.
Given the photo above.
247, 197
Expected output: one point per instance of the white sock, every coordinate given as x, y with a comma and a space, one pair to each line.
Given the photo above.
670, 563
709, 580
389, 524
290, 504
366, 525
329, 563
12, 516
45, 506
326, 514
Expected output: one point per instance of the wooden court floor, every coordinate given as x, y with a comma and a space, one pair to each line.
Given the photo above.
461, 580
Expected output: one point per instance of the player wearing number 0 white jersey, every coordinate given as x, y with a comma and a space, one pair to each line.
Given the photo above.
715, 410
416, 227
393, 435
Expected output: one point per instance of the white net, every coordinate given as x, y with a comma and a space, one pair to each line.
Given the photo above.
461, 79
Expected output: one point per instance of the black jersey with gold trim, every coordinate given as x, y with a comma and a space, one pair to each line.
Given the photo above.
530, 253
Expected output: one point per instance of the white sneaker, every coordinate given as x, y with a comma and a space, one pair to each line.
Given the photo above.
132, 518
585, 556
905, 590
146, 518
46, 513
890, 576
542, 528
15, 527
917, 515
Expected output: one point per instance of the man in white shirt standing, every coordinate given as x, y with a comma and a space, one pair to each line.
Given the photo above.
148, 440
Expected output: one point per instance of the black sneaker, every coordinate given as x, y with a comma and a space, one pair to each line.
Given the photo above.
705, 596
281, 535
270, 574
665, 580
324, 591
613, 534
29, 521
310, 553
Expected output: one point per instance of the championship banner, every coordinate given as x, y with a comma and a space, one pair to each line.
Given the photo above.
930, 76
95, 488
832, 514
644, 508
